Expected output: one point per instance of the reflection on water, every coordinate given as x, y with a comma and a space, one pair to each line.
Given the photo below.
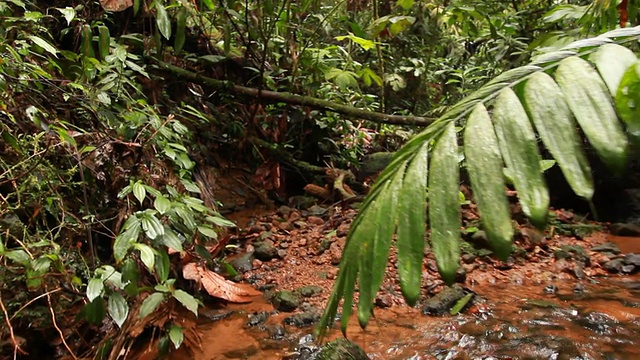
601, 321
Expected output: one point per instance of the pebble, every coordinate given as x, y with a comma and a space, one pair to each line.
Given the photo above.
315, 220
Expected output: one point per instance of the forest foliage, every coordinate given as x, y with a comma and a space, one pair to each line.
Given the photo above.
110, 112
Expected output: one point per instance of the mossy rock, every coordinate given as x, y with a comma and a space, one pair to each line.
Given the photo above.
341, 349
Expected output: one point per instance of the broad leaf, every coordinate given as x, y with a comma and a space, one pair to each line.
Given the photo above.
612, 60
118, 308
162, 20
484, 165
589, 100
162, 204
628, 102
444, 205
519, 149
187, 301
150, 304
139, 191
94, 288
176, 336
147, 255
554, 122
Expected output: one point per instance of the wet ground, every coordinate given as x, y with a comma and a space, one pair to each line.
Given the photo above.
562, 296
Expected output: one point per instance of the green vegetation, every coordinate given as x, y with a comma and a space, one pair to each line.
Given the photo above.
114, 113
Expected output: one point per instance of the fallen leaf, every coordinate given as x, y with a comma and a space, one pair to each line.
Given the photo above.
116, 5
218, 286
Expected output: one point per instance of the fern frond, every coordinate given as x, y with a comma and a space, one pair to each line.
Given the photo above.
526, 103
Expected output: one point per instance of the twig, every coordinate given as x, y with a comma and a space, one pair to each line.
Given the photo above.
55, 324
16, 347
33, 300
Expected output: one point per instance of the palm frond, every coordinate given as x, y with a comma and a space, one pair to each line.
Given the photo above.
526, 103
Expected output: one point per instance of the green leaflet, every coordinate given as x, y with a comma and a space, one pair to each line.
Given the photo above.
444, 204
411, 225
588, 99
181, 27
520, 153
104, 41
612, 60
484, 165
374, 253
87, 42
628, 102
162, 20
554, 122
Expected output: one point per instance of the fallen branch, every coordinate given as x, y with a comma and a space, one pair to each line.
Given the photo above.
294, 99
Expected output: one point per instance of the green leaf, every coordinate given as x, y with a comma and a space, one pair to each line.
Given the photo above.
139, 191
628, 102
151, 225
520, 153
554, 122
171, 240
187, 301
150, 304
589, 100
181, 26
162, 204
412, 216
207, 231
364, 43
162, 20
130, 271
44, 45
41, 264
118, 308
176, 336
94, 311
95, 288
69, 14
444, 206
405, 4
18, 256
163, 265
147, 255
209, 4
104, 41
87, 42
220, 221
484, 165
460, 304
612, 60
125, 239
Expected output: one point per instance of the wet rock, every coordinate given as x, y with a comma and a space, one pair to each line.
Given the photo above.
575, 252
599, 323
628, 269
257, 318
315, 220
243, 263
578, 288
271, 344
443, 301
309, 291
341, 349
372, 164
632, 259
468, 258
214, 315
316, 210
550, 289
285, 300
343, 229
284, 211
243, 353
282, 253
294, 216
256, 229
306, 318
265, 250
614, 266
276, 332
625, 229
607, 247
384, 301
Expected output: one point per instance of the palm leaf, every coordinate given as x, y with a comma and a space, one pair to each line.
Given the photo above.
527, 104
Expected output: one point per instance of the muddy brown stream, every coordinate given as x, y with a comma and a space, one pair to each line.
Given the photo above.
595, 319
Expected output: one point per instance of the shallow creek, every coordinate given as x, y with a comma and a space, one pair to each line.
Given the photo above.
597, 319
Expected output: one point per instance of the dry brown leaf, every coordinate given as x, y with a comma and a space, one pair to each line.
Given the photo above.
116, 5
217, 285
